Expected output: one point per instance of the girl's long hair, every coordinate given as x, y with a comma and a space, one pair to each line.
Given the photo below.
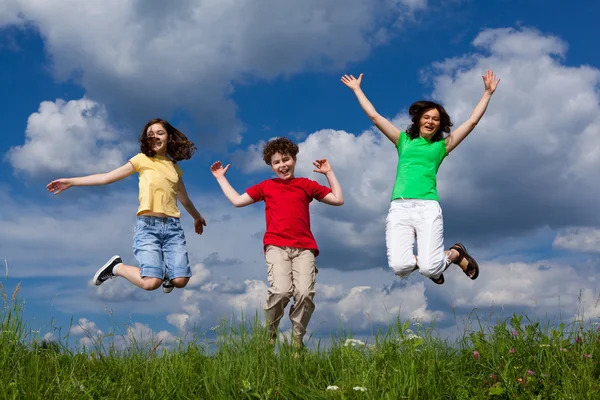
416, 111
179, 147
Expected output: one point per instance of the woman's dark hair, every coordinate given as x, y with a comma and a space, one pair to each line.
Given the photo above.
178, 147
416, 111
280, 145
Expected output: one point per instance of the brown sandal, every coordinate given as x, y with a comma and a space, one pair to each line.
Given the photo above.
465, 261
439, 280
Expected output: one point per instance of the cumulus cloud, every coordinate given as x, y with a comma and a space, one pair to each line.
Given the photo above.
357, 307
580, 239
146, 58
69, 137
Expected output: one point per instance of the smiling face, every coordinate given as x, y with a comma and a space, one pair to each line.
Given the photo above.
160, 138
283, 165
429, 123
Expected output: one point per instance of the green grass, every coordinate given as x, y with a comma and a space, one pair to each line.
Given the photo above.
511, 360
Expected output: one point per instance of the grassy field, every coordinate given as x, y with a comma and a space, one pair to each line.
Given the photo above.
511, 360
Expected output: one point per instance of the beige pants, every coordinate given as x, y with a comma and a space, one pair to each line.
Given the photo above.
291, 272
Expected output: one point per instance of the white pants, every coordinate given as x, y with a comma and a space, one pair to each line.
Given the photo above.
422, 219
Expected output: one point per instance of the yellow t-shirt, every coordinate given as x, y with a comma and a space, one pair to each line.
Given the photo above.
158, 184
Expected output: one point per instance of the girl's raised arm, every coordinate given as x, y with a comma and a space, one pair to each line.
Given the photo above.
490, 84
385, 126
62, 184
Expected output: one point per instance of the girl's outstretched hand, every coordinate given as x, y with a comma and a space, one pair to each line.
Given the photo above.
490, 82
199, 225
352, 82
218, 170
322, 166
59, 185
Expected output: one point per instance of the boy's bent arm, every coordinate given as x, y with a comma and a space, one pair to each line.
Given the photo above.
232, 195
336, 197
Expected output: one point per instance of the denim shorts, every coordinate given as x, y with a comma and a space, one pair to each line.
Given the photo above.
159, 242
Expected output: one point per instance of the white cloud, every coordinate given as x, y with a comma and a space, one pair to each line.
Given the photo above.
578, 239
85, 327
147, 58
71, 137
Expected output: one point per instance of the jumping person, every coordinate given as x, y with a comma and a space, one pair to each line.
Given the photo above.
415, 210
159, 242
289, 246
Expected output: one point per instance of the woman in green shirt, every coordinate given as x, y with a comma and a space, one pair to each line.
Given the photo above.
415, 211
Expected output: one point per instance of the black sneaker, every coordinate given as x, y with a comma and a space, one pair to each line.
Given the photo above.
167, 285
106, 271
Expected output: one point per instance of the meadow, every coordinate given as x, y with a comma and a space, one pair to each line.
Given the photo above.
513, 359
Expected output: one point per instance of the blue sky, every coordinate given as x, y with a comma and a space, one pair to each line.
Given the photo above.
520, 192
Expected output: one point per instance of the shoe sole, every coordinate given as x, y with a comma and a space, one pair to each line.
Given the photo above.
97, 274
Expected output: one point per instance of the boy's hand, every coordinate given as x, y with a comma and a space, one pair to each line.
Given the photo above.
218, 170
59, 185
199, 224
322, 166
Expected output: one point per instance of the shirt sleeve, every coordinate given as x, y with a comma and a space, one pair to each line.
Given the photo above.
136, 161
443, 152
257, 192
401, 139
318, 191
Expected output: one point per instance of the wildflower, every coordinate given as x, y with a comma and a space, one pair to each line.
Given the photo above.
530, 373
563, 350
359, 389
587, 355
493, 376
353, 343
520, 380
515, 333
544, 345
512, 350
578, 339
412, 336
476, 355
333, 387
214, 328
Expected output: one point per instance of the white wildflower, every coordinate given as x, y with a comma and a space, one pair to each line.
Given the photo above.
333, 387
412, 336
359, 389
353, 343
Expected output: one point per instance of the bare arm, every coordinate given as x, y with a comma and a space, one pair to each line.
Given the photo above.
385, 126
336, 197
186, 202
232, 195
62, 184
460, 133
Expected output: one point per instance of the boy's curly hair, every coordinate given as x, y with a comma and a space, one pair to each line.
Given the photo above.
280, 145
178, 148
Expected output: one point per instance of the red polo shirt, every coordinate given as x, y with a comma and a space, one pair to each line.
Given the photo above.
286, 210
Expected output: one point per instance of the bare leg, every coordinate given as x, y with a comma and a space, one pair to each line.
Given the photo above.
132, 274
180, 282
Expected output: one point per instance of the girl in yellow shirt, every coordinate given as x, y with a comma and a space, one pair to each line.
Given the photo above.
159, 242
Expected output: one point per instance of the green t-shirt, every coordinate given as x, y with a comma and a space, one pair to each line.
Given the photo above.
418, 163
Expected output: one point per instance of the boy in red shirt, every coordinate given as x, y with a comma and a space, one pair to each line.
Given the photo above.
289, 245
